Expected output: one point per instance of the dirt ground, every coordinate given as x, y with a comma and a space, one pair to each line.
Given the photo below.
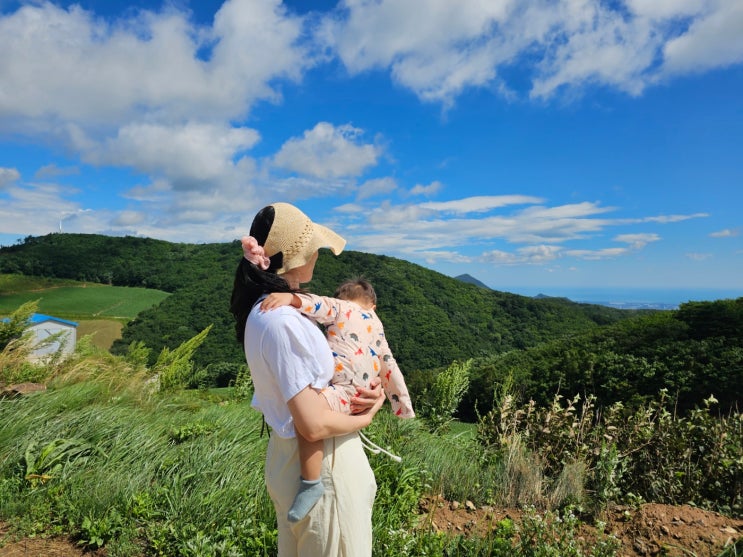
649, 530
652, 529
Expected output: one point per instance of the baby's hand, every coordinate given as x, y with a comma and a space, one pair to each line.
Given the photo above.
276, 300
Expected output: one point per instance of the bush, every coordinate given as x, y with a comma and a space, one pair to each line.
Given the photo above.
650, 453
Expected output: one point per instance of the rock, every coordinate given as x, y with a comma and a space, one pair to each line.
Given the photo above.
729, 530
470, 506
454, 505
639, 547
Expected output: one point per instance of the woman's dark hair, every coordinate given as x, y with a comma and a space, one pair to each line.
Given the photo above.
251, 282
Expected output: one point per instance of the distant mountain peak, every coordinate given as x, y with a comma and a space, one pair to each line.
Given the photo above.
472, 280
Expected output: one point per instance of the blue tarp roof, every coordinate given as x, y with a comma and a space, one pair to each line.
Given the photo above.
40, 318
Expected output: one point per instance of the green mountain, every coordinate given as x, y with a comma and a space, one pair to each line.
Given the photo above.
430, 319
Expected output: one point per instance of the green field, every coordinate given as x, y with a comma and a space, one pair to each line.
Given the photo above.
76, 300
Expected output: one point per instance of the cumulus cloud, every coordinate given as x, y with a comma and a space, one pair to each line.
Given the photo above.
625, 45
188, 155
148, 63
327, 151
713, 40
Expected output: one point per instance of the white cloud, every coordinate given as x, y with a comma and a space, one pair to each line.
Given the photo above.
327, 151
479, 204
189, 155
129, 218
565, 43
725, 233
637, 241
429, 190
8, 176
594, 255
99, 72
697, 256
446, 231
375, 187
712, 40
665, 219
665, 9
52, 171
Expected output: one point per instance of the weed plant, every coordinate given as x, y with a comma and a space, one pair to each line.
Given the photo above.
583, 454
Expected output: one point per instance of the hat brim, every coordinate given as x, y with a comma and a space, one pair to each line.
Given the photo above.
322, 237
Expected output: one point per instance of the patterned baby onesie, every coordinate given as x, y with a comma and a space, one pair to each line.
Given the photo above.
356, 337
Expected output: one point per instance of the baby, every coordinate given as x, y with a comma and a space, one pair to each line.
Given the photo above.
356, 337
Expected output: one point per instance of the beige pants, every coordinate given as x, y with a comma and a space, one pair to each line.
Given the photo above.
339, 525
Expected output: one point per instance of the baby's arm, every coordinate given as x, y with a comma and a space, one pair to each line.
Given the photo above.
278, 299
321, 309
394, 384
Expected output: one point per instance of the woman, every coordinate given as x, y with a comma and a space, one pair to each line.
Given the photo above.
290, 362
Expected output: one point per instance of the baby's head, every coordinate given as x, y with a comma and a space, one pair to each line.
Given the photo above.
359, 291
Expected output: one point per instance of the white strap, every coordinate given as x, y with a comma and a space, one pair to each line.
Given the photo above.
376, 449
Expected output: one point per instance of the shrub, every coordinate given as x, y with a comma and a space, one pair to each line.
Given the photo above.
441, 400
651, 452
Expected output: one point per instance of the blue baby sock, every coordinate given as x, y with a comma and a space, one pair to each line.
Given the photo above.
309, 493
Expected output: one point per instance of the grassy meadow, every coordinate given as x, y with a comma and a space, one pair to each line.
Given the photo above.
99, 310
76, 300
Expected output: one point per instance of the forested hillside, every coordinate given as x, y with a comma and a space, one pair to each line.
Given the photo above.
430, 319
693, 353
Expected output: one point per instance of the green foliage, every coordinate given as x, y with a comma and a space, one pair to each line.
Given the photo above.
97, 532
221, 374
187, 432
16, 323
556, 534
648, 452
243, 386
138, 354
174, 368
440, 402
693, 352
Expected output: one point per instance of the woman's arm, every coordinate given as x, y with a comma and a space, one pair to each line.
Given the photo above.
314, 419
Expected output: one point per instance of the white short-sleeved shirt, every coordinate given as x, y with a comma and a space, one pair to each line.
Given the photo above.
285, 352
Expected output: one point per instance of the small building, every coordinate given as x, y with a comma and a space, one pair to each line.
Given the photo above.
45, 326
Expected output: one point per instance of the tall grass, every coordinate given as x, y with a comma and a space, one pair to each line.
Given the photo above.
106, 457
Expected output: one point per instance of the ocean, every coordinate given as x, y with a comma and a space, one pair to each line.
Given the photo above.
631, 298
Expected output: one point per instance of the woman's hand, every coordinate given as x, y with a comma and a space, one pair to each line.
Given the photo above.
368, 400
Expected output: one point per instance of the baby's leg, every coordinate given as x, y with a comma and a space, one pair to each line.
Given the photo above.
310, 457
311, 487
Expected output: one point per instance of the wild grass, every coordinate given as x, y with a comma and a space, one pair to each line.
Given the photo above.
116, 458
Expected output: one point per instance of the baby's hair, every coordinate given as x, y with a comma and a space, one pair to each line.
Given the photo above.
356, 289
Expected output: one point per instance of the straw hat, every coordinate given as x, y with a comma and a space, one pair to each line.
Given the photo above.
297, 237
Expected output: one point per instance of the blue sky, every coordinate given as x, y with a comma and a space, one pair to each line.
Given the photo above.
538, 145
